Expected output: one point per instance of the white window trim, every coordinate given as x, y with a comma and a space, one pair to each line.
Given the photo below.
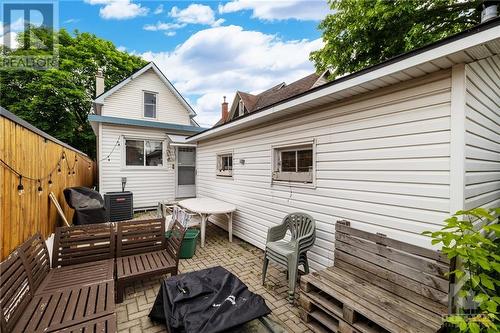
143, 105
292, 145
228, 174
124, 165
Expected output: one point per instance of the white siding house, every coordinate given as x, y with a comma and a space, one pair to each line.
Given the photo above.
139, 124
396, 148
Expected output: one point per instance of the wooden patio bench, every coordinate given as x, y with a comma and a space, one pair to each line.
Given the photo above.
377, 284
35, 298
142, 251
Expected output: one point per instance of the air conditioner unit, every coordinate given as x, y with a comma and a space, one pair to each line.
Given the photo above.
119, 206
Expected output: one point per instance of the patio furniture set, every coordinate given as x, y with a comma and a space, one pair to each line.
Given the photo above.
89, 263
377, 284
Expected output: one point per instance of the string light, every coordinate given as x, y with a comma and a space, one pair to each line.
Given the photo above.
40, 190
57, 167
20, 187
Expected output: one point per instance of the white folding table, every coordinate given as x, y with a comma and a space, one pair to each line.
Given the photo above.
206, 207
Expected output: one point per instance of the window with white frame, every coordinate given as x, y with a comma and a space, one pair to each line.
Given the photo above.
294, 163
149, 104
148, 153
225, 165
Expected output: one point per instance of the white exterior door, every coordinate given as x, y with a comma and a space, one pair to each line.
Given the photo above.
186, 172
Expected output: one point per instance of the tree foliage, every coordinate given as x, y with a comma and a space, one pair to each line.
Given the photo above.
360, 33
473, 237
58, 100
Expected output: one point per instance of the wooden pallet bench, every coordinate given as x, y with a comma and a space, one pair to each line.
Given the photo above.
377, 285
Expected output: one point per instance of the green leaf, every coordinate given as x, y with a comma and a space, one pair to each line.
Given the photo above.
475, 281
486, 281
474, 327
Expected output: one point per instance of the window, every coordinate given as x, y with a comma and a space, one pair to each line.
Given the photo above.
149, 105
294, 163
225, 165
241, 108
143, 153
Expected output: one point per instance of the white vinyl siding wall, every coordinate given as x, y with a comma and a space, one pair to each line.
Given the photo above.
128, 102
149, 184
382, 162
482, 138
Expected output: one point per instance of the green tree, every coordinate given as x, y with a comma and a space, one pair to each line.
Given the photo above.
360, 33
58, 100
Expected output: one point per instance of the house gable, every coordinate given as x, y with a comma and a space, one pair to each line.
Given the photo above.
126, 99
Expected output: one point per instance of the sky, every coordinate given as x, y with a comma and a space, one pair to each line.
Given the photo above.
209, 49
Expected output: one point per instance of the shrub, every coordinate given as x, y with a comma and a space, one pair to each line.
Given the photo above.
471, 237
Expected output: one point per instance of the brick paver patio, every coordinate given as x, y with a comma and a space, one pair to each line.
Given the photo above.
240, 258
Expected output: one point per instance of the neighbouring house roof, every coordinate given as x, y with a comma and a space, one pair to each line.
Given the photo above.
272, 95
145, 123
467, 46
100, 99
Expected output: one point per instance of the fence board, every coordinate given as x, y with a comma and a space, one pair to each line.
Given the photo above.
34, 155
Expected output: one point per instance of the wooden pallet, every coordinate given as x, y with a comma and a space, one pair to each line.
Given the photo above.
323, 313
378, 285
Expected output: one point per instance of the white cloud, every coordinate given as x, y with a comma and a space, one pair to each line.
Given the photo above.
161, 26
8, 37
119, 9
170, 33
195, 14
218, 61
158, 10
279, 9
121, 48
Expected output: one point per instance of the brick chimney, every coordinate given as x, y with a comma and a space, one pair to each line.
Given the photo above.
99, 82
225, 111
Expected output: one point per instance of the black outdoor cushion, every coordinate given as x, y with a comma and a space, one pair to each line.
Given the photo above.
206, 301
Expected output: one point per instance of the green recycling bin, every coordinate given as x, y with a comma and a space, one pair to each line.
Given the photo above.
188, 247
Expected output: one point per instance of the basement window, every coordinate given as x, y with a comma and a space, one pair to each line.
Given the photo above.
225, 165
146, 153
294, 163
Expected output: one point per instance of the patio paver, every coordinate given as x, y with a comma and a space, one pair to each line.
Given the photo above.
240, 258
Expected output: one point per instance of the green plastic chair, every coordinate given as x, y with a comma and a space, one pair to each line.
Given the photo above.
290, 253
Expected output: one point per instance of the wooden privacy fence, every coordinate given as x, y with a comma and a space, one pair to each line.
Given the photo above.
27, 151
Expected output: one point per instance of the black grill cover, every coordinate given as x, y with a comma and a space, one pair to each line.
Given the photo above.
206, 301
87, 203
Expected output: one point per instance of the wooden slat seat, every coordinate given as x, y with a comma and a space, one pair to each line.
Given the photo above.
142, 251
153, 263
105, 324
377, 284
67, 308
82, 274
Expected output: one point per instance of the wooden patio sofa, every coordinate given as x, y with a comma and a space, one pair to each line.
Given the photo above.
376, 285
35, 298
142, 251
78, 293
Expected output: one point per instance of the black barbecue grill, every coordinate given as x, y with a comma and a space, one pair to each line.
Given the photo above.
87, 203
